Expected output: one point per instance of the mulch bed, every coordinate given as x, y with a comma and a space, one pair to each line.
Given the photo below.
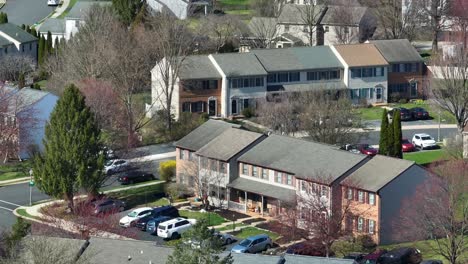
231, 215
255, 220
286, 233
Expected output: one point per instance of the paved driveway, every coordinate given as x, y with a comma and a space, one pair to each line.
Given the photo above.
26, 12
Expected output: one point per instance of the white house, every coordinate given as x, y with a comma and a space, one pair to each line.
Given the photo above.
56, 26
77, 14
16, 41
179, 8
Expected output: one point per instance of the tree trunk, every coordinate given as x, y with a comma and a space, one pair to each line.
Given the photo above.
70, 202
435, 42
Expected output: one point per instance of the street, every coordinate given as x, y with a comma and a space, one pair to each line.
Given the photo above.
374, 136
26, 12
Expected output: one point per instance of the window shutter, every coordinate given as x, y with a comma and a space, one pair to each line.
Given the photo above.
366, 197
356, 195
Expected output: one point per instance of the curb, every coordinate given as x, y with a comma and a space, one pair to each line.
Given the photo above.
14, 181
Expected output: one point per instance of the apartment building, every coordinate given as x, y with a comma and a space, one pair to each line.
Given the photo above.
224, 84
266, 174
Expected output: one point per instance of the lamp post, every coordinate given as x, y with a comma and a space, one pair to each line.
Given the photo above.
31, 184
438, 130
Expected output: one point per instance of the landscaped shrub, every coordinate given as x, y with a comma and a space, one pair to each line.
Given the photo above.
403, 101
167, 170
366, 242
248, 112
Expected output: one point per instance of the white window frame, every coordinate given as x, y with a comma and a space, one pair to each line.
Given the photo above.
254, 171
289, 179
244, 169
350, 192
371, 226
182, 154
361, 196
360, 224
371, 199
264, 174
279, 177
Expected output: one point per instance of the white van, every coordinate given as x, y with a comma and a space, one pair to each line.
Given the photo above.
175, 227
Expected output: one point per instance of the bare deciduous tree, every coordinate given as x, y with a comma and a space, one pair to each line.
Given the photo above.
221, 29
13, 66
347, 33
436, 12
278, 114
268, 8
439, 212
263, 31
449, 86
311, 15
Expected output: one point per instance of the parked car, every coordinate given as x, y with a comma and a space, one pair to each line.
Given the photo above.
131, 177
372, 257
113, 166
253, 244
308, 248
366, 149
169, 211
401, 256
226, 239
405, 114
356, 256
152, 224
418, 113
174, 228
423, 141
108, 205
131, 218
406, 145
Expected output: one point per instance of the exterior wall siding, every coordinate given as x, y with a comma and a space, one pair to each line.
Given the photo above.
370, 82
201, 95
158, 96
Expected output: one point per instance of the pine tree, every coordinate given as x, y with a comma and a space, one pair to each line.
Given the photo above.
71, 159
127, 10
391, 139
49, 42
3, 18
397, 135
40, 50
33, 32
23, 26
207, 251
56, 44
384, 140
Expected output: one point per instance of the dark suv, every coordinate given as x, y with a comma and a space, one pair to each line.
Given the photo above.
167, 210
135, 176
401, 256
405, 114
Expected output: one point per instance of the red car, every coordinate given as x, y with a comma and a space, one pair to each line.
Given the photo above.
407, 146
366, 149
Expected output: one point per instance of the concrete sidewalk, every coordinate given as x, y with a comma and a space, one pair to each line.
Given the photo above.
14, 181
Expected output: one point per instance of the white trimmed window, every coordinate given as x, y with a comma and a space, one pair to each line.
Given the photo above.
182, 154
265, 174
289, 179
254, 171
279, 177
361, 196
371, 226
371, 198
350, 194
245, 169
360, 224
303, 186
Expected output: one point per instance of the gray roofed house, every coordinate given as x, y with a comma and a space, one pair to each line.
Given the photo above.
297, 58
397, 50
228, 144
305, 159
16, 33
269, 190
334, 15
199, 137
22, 98
80, 9
54, 25
239, 64
198, 67
378, 172
291, 13
4, 41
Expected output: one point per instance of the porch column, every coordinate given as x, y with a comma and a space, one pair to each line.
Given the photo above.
245, 202
261, 208
206, 10
228, 196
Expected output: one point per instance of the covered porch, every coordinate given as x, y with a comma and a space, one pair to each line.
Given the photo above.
253, 197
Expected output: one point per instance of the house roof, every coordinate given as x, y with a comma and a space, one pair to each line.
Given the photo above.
16, 33
344, 15
54, 25
305, 159
228, 144
315, 260
198, 67
239, 64
81, 8
203, 134
263, 188
297, 58
397, 50
378, 172
296, 14
358, 55
4, 41
263, 24
20, 99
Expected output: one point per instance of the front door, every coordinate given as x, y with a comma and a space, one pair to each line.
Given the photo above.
212, 107
378, 94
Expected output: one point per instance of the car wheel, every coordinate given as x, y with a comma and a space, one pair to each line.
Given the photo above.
175, 235
267, 247
228, 241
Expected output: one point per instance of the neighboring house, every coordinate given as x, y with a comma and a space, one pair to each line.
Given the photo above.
16, 41
365, 72
406, 72
77, 14
384, 184
56, 26
180, 8
29, 110
465, 142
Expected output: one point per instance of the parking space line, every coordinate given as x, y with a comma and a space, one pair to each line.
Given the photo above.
1, 201
11, 210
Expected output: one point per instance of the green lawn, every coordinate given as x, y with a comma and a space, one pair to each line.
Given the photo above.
23, 213
425, 157
142, 196
371, 113
234, 2
252, 231
14, 170
240, 12
212, 218
426, 247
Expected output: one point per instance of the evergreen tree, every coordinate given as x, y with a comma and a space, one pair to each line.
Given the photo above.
384, 140
49, 42
33, 32
72, 158
56, 44
397, 135
40, 50
21, 80
206, 251
3, 18
23, 26
127, 10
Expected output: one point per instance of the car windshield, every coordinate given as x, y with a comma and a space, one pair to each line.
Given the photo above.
132, 214
426, 138
109, 162
405, 141
366, 147
245, 242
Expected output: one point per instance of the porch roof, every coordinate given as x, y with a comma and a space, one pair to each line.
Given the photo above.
265, 189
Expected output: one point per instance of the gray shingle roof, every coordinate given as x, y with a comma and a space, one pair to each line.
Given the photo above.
397, 50
228, 144
291, 13
22, 98
16, 33
4, 41
198, 67
297, 259
377, 172
334, 15
54, 25
304, 159
263, 188
81, 8
297, 58
262, 25
239, 64
203, 134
